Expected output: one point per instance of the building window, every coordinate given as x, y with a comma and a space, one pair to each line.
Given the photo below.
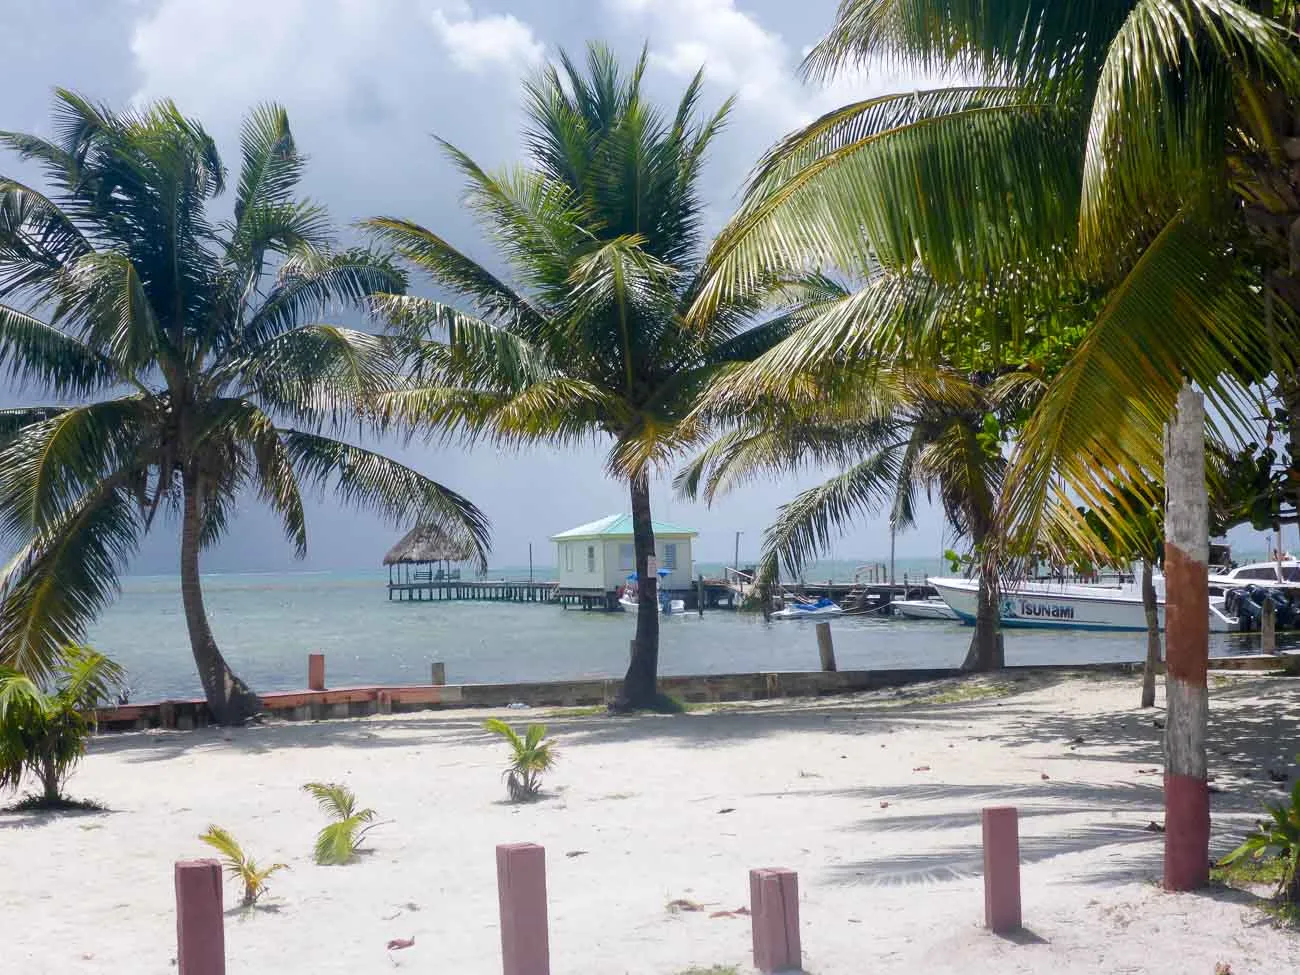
568, 558
591, 559
670, 556
627, 558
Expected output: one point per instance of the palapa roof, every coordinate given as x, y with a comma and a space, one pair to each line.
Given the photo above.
620, 526
429, 543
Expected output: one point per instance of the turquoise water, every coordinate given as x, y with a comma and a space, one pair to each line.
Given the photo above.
267, 624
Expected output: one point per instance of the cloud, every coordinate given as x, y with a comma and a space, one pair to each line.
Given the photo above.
487, 42
738, 53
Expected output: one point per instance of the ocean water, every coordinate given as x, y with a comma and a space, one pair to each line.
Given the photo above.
267, 624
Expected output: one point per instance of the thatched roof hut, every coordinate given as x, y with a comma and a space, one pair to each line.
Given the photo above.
427, 544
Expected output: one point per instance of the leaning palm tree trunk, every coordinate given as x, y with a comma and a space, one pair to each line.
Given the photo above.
640, 685
229, 699
1153, 636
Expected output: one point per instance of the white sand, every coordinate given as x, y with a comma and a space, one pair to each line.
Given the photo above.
888, 856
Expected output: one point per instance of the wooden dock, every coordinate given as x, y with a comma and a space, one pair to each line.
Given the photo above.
483, 590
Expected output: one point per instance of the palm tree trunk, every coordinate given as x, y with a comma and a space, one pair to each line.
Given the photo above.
230, 702
641, 683
1153, 636
986, 651
50, 780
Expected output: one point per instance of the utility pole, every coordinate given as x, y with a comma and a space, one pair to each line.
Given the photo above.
1187, 646
735, 558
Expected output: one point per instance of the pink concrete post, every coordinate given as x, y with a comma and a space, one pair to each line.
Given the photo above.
521, 887
774, 910
1001, 869
200, 924
316, 672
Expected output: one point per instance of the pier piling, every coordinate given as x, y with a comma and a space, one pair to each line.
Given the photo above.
1001, 869
826, 647
200, 923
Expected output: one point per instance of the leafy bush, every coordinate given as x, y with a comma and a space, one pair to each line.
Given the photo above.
530, 757
43, 729
240, 865
1280, 838
337, 843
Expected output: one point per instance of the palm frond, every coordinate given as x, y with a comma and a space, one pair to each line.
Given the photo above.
1182, 313
965, 182
449, 267
392, 490
64, 577
1160, 114
334, 799
806, 525
33, 352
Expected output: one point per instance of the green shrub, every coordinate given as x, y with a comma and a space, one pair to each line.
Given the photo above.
530, 757
1280, 838
337, 843
240, 865
44, 728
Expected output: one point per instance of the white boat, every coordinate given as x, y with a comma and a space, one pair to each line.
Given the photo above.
821, 609
933, 608
1063, 606
631, 604
1283, 574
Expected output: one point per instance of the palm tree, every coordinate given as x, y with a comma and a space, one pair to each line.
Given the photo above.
600, 234
194, 351
1144, 146
44, 726
891, 434
531, 755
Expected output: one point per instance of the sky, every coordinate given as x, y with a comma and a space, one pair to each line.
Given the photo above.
368, 84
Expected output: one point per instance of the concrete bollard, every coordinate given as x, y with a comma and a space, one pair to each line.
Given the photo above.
826, 647
200, 924
1268, 626
1001, 869
316, 672
439, 673
521, 888
774, 917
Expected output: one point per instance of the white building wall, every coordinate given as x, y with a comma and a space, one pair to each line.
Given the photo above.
581, 564
620, 561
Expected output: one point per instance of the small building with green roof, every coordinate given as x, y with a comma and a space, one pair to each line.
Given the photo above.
598, 557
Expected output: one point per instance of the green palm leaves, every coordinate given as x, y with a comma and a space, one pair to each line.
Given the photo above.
1129, 151
241, 866
199, 354
530, 756
44, 726
337, 843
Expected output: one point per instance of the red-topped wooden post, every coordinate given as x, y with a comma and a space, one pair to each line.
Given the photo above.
1001, 869
1187, 647
316, 672
200, 923
774, 910
521, 887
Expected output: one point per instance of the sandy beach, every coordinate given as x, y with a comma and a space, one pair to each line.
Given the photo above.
874, 800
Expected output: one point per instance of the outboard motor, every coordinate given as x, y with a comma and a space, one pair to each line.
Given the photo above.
1247, 603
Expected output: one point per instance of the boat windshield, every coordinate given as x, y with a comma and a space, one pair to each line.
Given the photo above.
1291, 573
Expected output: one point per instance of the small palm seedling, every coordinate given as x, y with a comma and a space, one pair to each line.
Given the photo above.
239, 864
44, 724
338, 842
531, 756
1280, 838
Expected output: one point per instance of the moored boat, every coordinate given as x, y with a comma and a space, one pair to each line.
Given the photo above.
821, 609
933, 608
631, 604
1063, 606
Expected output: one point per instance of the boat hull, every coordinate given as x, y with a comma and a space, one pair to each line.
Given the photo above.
924, 609
630, 604
1047, 606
